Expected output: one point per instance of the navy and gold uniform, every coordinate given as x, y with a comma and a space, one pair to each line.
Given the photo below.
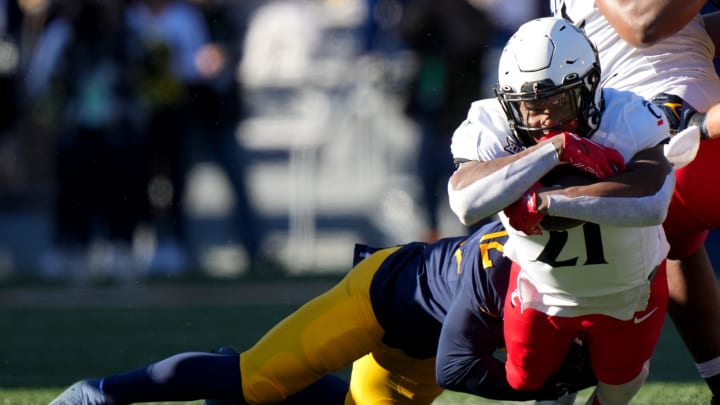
387, 318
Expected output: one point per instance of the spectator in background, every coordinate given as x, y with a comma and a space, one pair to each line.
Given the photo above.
170, 34
378, 32
10, 35
10, 20
78, 83
33, 148
217, 106
507, 15
450, 39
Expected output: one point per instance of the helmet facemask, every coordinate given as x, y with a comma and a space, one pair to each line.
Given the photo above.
541, 107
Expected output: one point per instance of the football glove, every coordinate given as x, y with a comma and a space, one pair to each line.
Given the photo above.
590, 157
523, 213
683, 147
680, 114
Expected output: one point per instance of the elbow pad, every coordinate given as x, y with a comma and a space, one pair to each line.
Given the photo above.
616, 211
490, 195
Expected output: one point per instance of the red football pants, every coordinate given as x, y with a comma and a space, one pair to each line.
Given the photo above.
537, 343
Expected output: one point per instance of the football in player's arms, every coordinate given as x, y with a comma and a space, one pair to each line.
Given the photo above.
561, 177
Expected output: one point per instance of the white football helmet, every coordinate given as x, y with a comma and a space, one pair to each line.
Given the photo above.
549, 62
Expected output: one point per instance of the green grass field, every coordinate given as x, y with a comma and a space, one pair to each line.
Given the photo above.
44, 349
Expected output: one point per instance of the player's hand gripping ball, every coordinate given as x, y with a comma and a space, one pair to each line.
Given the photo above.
592, 158
523, 214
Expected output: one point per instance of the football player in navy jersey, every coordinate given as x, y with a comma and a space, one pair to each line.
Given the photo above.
389, 317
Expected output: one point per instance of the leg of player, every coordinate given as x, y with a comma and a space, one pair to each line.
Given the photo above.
633, 343
299, 351
330, 389
694, 308
618, 394
189, 376
184, 376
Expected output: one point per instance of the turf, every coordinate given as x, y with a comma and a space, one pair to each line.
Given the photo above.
42, 349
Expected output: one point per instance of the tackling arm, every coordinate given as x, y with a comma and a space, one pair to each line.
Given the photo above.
472, 332
641, 23
465, 361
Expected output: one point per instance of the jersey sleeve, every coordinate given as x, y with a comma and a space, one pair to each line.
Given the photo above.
630, 124
483, 133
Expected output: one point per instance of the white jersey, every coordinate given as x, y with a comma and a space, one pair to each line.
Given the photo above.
590, 269
681, 64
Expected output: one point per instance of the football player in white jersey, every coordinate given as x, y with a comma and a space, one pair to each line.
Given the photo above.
630, 62
604, 279
670, 54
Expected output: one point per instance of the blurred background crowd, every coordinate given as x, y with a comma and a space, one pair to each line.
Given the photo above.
144, 138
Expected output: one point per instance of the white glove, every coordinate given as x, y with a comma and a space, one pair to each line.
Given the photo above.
683, 147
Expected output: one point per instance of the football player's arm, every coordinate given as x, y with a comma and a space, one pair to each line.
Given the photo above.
712, 26
479, 189
465, 358
712, 117
465, 361
642, 23
640, 196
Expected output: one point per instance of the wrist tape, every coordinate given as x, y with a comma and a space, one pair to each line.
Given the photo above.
700, 120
